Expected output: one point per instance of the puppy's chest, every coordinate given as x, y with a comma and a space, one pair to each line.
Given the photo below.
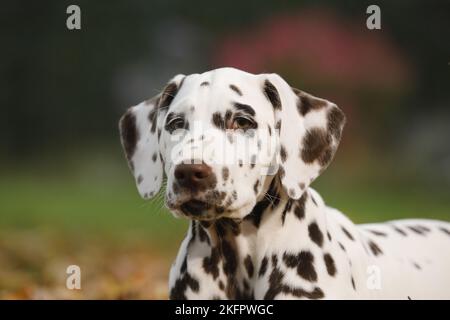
226, 270
242, 265
245, 261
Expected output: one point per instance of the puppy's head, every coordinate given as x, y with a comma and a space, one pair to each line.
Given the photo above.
220, 137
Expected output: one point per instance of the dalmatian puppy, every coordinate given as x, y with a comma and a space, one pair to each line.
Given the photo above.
239, 152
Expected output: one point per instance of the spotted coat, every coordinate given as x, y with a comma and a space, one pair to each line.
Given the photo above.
257, 230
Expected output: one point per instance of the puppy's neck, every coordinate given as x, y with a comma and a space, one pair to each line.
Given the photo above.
273, 210
237, 247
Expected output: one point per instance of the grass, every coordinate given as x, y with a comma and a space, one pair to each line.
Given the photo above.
86, 211
98, 195
88, 207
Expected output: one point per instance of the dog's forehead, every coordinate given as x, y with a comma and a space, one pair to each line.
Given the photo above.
218, 89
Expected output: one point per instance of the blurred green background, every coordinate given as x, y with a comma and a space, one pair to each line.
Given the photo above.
62, 171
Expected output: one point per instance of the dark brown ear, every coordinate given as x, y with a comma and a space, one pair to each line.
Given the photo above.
310, 131
139, 132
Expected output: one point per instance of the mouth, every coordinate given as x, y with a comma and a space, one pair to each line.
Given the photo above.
202, 210
195, 207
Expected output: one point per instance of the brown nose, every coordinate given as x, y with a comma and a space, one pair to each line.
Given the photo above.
194, 176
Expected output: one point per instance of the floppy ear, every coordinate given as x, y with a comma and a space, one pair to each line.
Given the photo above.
310, 129
140, 130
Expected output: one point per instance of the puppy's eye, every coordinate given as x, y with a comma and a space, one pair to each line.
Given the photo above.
175, 123
243, 123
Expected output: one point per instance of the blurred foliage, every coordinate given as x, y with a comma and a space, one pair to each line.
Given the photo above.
66, 195
62, 86
33, 266
97, 194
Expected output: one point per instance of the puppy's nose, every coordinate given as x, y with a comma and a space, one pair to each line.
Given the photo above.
194, 176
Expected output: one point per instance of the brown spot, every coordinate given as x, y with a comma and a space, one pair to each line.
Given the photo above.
275, 286
235, 89
307, 102
287, 208
403, 233
417, 230
153, 119
316, 146
210, 264
230, 259
374, 248
278, 125
336, 121
181, 285
263, 267
228, 115
203, 235
220, 209
378, 233
299, 210
274, 260
249, 266
245, 108
315, 234
226, 224
317, 293
256, 186
218, 120
314, 201
272, 95
283, 154
291, 260
304, 262
128, 133
193, 232
348, 234
444, 230
272, 199
205, 224
246, 285
329, 263
426, 229
204, 84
